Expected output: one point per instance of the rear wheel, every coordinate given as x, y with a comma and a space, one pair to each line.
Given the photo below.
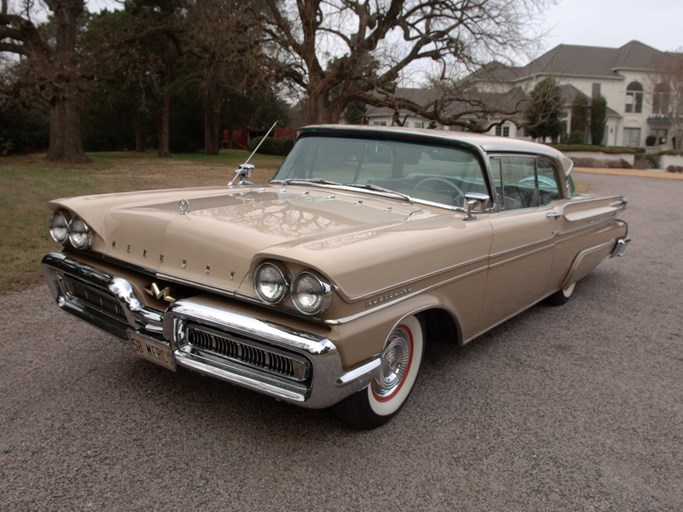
388, 391
561, 296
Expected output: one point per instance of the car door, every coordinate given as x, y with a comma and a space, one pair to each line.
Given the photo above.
523, 235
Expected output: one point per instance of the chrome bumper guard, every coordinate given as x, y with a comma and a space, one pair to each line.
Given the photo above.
273, 359
620, 247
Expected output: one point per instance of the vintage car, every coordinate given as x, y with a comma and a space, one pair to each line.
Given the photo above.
323, 287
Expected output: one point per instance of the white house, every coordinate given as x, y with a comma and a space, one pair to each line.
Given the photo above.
628, 78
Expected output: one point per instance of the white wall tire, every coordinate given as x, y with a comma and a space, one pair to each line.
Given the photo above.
389, 390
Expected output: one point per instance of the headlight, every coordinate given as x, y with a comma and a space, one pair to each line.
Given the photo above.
310, 294
270, 283
79, 234
59, 227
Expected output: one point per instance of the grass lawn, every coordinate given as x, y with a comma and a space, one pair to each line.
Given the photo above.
27, 183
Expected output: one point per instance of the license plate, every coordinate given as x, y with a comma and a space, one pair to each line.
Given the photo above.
152, 350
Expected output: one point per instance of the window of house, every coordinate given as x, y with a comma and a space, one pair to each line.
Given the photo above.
660, 100
419, 124
596, 90
503, 131
631, 136
379, 123
634, 98
662, 135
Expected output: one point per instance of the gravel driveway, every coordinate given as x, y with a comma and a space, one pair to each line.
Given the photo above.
571, 408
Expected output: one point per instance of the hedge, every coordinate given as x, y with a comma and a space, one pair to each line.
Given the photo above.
271, 146
595, 149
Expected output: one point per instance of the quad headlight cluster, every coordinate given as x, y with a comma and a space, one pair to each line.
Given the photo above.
309, 293
74, 231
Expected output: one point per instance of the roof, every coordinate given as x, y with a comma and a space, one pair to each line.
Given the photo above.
481, 102
577, 60
487, 143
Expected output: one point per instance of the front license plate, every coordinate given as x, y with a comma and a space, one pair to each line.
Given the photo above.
152, 350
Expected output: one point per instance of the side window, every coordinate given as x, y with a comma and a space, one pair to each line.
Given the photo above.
524, 182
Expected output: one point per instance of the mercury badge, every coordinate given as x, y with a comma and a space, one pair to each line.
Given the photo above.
184, 206
160, 293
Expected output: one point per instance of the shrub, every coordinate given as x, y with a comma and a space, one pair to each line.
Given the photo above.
272, 146
647, 161
576, 137
607, 164
650, 140
675, 168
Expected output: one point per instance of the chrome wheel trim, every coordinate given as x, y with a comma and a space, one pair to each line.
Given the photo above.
401, 360
396, 360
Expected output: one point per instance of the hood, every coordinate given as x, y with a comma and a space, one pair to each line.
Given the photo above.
215, 241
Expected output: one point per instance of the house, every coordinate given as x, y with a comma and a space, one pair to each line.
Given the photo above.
629, 77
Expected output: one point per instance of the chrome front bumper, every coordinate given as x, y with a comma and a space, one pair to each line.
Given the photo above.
287, 364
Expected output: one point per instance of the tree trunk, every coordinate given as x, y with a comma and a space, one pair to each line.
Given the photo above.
65, 94
137, 125
212, 119
65, 131
321, 110
164, 123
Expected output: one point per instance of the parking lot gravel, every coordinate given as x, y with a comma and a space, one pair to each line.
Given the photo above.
578, 407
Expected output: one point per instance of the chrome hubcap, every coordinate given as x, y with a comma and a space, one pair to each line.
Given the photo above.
395, 364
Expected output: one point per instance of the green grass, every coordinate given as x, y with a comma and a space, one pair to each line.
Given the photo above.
27, 183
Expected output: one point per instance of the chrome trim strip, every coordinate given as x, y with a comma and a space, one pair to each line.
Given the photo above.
358, 372
569, 278
403, 298
404, 284
519, 256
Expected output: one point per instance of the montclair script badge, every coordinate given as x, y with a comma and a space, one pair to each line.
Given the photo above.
388, 297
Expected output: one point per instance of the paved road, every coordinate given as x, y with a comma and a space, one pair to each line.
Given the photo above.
572, 408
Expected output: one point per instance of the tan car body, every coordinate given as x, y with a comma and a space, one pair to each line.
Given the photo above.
385, 257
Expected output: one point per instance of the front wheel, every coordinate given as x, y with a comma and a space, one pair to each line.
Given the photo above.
388, 391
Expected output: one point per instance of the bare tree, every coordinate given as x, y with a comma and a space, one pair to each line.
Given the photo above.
224, 36
667, 99
56, 70
396, 34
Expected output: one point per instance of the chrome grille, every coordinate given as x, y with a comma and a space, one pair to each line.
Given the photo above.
94, 298
249, 353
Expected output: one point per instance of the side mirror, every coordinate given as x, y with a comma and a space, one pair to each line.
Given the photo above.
474, 201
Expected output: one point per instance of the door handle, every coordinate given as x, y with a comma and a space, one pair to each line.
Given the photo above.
553, 215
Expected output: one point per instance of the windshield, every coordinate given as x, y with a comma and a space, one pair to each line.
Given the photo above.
439, 174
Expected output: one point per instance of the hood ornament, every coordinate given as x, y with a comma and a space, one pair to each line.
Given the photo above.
184, 205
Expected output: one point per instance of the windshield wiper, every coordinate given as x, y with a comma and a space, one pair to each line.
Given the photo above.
302, 181
377, 188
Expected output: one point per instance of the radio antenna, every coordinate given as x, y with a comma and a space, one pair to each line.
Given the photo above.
245, 169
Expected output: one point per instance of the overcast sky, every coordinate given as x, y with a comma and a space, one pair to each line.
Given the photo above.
613, 23
610, 23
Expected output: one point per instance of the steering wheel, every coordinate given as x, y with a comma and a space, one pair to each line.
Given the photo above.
420, 186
